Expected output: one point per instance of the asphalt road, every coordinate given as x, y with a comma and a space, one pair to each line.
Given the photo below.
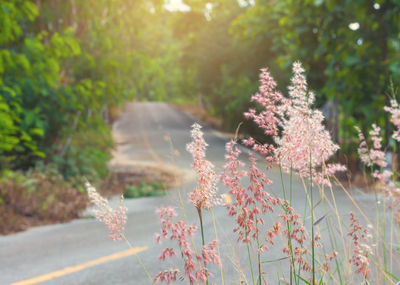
79, 252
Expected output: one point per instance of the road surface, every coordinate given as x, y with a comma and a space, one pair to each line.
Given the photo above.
79, 252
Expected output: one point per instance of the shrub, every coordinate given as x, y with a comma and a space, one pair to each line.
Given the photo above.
144, 189
39, 196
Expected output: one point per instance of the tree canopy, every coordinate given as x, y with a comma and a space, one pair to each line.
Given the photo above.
66, 65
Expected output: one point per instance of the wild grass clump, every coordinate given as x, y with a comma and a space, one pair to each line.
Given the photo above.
328, 248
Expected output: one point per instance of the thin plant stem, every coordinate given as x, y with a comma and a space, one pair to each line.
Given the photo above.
290, 202
291, 192
332, 238
251, 264
219, 253
312, 224
391, 242
378, 225
258, 256
138, 259
202, 239
334, 244
384, 244
292, 267
366, 219
339, 222
182, 206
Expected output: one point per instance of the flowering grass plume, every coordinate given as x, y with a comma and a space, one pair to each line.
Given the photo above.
269, 119
304, 142
205, 194
394, 110
195, 265
374, 157
371, 156
272, 101
251, 203
115, 220
303, 139
296, 249
361, 251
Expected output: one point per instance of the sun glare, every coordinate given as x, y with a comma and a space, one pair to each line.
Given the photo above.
176, 5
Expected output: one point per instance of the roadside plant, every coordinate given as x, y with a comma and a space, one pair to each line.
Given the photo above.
299, 145
302, 144
195, 264
114, 219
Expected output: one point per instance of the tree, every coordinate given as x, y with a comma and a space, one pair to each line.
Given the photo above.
351, 49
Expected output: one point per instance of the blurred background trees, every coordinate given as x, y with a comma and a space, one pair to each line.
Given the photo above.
67, 65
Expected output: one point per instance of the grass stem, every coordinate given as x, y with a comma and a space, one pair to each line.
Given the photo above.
138, 259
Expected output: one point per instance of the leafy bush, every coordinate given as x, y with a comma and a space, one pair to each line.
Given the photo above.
231, 98
144, 189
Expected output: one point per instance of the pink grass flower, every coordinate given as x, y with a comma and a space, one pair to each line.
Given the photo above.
304, 139
167, 276
375, 157
371, 156
115, 220
271, 100
300, 252
205, 194
249, 204
194, 264
361, 251
269, 118
394, 110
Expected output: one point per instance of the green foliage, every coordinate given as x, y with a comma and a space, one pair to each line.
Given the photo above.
349, 67
65, 64
233, 94
144, 189
62, 68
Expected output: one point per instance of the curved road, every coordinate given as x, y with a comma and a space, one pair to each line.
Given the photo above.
80, 252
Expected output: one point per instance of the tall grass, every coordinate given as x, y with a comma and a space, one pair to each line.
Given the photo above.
322, 246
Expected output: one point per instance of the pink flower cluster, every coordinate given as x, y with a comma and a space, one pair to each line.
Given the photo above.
303, 142
297, 236
361, 250
167, 276
205, 194
195, 266
373, 156
249, 204
273, 103
394, 109
115, 220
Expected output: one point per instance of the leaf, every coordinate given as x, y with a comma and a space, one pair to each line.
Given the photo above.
392, 275
37, 131
302, 279
275, 260
73, 45
319, 220
319, 202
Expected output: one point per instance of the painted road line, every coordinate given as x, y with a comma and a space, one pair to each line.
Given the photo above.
72, 269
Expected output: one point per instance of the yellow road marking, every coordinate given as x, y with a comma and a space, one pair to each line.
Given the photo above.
72, 269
